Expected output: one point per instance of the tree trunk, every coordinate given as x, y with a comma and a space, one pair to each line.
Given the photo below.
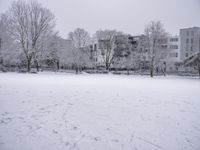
127, 71
28, 65
199, 71
107, 66
58, 65
164, 72
151, 72
37, 66
151, 68
76, 70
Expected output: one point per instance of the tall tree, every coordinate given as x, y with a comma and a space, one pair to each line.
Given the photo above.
79, 37
156, 36
27, 22
80, 53
106, 43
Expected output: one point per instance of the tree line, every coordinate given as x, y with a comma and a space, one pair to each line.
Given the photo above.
28, 39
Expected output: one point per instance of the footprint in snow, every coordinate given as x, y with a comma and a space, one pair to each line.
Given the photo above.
54, 131
97, 138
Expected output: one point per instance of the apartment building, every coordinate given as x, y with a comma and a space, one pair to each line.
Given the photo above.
168, 51
171, 52
189, 42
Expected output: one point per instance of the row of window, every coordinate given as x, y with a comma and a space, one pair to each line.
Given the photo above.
190, 40
190, 33
187, 54
170, 46
173, 39
164, 55
173, 46
166, 40
188, 47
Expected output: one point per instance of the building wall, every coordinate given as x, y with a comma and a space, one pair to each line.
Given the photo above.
172, 52
190, 42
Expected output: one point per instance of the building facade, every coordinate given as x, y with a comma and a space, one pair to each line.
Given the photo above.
171, 52
189, 42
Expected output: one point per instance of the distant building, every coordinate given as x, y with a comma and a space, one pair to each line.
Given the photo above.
189, 42
142, 49
171, 52
173, 49
122, 44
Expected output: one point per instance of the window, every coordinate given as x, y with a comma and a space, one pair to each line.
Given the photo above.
95, 47
191, 48
173, 54
192, 40
173, 46
173, 39
187, 47
187, 40
162, 41
186, 54
164, 46
192, 33
187, 33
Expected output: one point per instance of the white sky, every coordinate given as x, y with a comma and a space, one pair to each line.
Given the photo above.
129, 16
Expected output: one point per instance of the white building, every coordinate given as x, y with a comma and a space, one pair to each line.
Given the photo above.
172, 52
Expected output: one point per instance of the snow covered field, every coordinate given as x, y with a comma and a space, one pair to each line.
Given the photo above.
98, 112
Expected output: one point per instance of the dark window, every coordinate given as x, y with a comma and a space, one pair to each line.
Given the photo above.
95, 47
164, 46
192, 33
187, 33
173, 39
192, 40
187, 47
173, 46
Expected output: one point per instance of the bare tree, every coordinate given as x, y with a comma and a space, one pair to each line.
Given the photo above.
156, 36
106, 43
79, 37
80, 53
27, 22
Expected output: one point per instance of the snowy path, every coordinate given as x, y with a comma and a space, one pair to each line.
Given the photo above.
101, 112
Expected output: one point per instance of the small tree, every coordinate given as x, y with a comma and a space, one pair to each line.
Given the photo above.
156, 36
193, 61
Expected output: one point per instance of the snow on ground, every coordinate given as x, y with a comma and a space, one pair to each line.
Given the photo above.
98, 112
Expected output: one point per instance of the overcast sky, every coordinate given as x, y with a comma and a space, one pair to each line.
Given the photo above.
129, 16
